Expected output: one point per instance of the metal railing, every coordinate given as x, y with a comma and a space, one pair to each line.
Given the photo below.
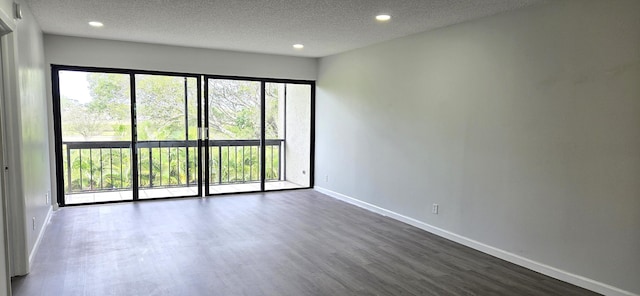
238, 161
106, 165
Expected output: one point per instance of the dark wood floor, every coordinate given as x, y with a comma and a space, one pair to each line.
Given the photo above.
284, 243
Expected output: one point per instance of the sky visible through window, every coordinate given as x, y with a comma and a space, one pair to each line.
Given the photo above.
74, 85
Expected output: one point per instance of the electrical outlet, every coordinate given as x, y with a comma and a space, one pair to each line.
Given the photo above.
435, 209
326, 178
33, 224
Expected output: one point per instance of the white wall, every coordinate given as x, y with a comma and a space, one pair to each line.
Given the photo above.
26, 139
34, 129
76, 51
6, 10
524, 127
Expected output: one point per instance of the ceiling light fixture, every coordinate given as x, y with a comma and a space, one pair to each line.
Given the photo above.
96, 24
383, 17
298, 46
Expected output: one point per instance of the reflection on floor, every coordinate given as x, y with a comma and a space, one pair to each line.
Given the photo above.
81, 198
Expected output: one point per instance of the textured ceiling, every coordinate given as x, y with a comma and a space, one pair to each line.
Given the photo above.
325, 27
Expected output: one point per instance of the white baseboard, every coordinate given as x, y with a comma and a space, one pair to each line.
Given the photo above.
551, 271
34, 250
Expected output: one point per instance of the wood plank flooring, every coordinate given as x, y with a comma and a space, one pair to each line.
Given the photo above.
280, 243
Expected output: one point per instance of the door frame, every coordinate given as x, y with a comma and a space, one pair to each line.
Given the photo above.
5, 244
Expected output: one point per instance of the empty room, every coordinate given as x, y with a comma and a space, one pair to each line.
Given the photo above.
320, 147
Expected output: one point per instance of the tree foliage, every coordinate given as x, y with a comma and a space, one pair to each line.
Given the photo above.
234, 113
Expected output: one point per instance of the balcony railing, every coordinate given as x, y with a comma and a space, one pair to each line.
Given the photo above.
104, 166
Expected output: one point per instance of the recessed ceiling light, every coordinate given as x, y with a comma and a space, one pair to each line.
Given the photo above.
298, 46
96, 24
383, 17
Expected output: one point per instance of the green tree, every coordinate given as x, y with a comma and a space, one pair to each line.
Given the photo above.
161, 107
234, 113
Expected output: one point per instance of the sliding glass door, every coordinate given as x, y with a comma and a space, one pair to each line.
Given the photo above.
126, 135
259, 135
167, 135
288, 134
233, 125
134, 135
95, 116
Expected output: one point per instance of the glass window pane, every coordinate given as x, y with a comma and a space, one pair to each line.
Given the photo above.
288, 150
234, 136
96, 136
167, 124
